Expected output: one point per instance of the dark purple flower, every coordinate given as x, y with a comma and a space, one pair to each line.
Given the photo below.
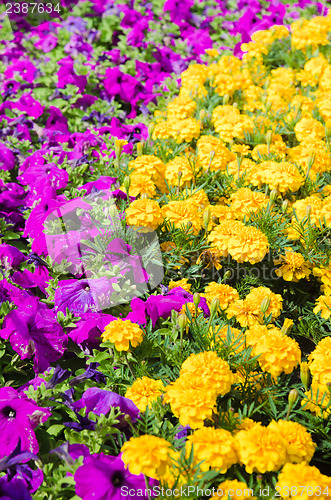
19, 417
120, 84
27, 279
14, 489
33, 331
70, 452
90, 373
59, 375
100, 401
103, 477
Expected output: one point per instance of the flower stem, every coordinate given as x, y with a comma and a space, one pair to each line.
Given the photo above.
130, 367
147, 487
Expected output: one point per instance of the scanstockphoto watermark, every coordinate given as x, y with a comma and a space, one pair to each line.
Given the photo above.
183, 491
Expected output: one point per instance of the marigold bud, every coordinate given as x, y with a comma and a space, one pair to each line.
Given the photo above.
308, 210
127, 182
265, 305
206, 217
112, 211
144, 196
182, 321
196, 299
273, 195
140, 148
305, 375
202, 114
226, 99
151, 128
269, 138
227, 274
215, 303
287, 326
285, 205
292, 397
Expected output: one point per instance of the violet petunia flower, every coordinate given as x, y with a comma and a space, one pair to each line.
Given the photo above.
10, 256
19, 416
33, 331
14, 489
90, 327
100, 401
7, 158
103, 477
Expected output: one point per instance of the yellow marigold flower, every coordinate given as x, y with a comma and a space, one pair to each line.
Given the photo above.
191, 400
236, 490
326, 211
149, 455
213, 370
302, 482
225, 293
318, 400
141, 184
324, 275
178, 166
150, 166
144, 214
309, 128
261, 449
244, 201
248, 245
254, 334
212, 52
181, 107
199, 199
163, 130
143, 391
323, 305
182, 283
256, 297
247, 166
222, 111
212, 154
181, 213
319, 362
312, 33
316, 205
241, 148
233, 126
224, 84
277, 353
123, 333
301, 155
282, 176
293, 268
215, 448
186, 130
210, 258
246, 424
299, 444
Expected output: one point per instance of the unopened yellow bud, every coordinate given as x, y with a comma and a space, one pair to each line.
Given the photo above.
202, 114
269, 138
273, 195
182, 321
265, 305
215, 303
308, 210
292, 397
119, 143
127, 183
112, 211
287, 326
144, 196
226, 99
151, 128
328, 130
305, 375
196, 299
206, 217
140, 148
285, 205
227, 274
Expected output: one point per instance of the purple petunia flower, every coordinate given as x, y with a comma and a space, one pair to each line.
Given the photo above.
10, 257
89, 327
14, 489
7, 158
19, 417
100, 401
103, 477
33, 331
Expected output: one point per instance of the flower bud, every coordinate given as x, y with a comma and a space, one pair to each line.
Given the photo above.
328, 130
308, 210
140, 148
112, 211
305, 375
287, 326
269, 138
265, 305
226, 99
144, 196
196, 299
119, 143
311, 161
215, 303
285, 205
127, 183
235, 105
206, 217
292, 397
182, 321
268, 106
227, 274
273, 195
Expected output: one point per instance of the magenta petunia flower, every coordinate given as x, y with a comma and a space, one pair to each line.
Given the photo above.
7, 158
33, 331
19, 417
103, 477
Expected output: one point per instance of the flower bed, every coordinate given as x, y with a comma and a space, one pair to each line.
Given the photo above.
165, 292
